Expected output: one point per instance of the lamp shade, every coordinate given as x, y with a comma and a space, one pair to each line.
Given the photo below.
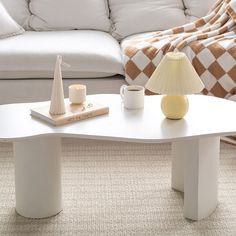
175, 75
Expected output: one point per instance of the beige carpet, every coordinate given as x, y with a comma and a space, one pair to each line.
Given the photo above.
119, 189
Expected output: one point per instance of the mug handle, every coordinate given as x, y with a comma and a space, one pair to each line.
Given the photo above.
122, 89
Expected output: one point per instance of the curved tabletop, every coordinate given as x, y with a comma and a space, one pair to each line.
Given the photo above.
207, 116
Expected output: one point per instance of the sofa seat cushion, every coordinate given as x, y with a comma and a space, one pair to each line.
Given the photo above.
33, 54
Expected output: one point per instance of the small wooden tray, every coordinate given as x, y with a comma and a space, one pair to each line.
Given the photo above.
74, 112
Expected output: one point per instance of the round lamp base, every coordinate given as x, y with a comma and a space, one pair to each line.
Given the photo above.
174, 107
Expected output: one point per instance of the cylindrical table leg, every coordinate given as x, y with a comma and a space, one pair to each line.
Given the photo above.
195, 171
38, 177
201, 177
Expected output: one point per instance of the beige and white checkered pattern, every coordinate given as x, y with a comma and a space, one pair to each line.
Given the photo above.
210, 43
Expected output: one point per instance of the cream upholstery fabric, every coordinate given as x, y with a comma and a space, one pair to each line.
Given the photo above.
8, 27
49, 74
197, 8
136, 16
69, 15
35, 90
19, 11
86, 51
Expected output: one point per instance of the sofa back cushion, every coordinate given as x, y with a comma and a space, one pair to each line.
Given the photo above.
197, 8
69, 15
8, 27
137, 16
19, 11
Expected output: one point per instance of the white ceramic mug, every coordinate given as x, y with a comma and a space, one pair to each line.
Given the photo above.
132, 96
77, 93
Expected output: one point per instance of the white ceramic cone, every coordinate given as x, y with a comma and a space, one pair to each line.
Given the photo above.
57, 106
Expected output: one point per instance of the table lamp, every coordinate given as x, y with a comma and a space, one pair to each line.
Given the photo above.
175, 77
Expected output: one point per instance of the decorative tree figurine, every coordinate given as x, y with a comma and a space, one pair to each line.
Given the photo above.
57, 106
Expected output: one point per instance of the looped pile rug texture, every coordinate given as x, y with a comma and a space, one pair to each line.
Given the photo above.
114, 188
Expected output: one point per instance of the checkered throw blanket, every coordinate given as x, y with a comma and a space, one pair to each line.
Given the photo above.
209, 43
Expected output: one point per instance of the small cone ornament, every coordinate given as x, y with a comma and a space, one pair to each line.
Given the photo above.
57, 106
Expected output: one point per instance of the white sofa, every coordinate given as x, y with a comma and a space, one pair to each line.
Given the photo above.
86, 34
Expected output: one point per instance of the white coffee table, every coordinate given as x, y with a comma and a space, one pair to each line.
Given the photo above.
195, 148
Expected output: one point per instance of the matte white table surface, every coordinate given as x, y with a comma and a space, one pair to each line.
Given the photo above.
195, 148
207, 116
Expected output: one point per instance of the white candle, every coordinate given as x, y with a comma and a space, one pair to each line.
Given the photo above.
77, 93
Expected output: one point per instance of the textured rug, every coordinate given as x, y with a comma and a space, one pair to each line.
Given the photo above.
112, 188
